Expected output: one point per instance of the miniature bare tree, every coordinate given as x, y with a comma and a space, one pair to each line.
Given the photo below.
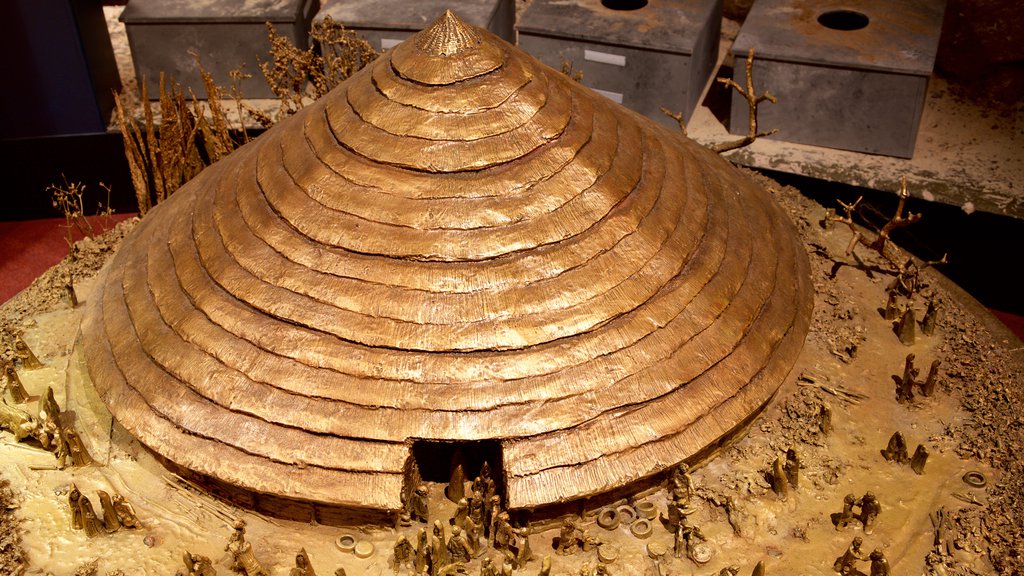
881, 242
753, 100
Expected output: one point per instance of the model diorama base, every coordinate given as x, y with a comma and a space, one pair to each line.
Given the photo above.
848, 364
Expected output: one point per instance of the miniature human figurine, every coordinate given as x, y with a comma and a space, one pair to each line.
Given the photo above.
568, 537
825, 419
28, 359
930, 314
18, 392
693, 536
792, 468
110, 522
461, 514
778, 480
125, 513
79, 456
545, 567
843, 519
905, 390
303, 567
847, 564
90, 523
928, 388
49, 413
521, 545
493, 513
905, 327
919, 459
196, 565
241, 552
18, 422
476, 507
870, 508
487, 568
502, 531
418, 504
69, 290
77, 521
473, 536
422, 563
458, 546
892, 308
896, 450
438, 548
682, 483
879, 565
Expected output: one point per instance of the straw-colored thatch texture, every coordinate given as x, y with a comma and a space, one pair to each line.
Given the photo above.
457, 243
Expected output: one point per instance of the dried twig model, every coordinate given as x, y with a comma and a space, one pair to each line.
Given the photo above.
881, 243
748, 93
752, 101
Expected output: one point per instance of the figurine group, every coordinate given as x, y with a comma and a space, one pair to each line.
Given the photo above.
479, 522
906, 384
847, 563
117, 513
896, 451
869, 506
905, 286
50, 430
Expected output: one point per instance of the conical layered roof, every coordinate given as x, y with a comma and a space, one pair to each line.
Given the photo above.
456, 244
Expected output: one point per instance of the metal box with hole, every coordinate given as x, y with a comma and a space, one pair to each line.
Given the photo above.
385, 23
848, 78
225, 34
643, 55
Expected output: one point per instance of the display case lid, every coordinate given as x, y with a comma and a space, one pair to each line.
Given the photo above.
215, 11
879, 35
668, 25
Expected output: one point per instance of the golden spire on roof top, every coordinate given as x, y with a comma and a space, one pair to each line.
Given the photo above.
447, 36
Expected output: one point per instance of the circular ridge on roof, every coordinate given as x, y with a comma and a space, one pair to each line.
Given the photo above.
456, 244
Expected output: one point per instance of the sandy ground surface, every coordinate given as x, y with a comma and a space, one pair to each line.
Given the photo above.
850, 348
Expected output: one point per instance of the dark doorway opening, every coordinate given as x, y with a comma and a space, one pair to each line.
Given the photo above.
436, 459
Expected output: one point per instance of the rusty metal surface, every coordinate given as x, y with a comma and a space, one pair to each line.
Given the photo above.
456, 244
405, 15
206, 11
900, 37
669, 25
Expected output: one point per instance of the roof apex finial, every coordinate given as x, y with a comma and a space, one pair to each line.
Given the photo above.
447, 36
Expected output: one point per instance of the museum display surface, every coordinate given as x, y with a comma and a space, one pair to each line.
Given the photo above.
463, 315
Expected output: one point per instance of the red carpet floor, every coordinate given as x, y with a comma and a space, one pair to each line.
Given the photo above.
29, 248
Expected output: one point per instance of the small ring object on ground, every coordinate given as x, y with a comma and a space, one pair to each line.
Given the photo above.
607, 553
646, 510
608, 519
641, 528
626, 514
364, 549
975, 479
346, 543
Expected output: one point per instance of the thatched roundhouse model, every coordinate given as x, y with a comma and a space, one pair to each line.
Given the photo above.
457, 245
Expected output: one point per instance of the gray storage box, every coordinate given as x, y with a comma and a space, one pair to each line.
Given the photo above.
385, 23
659, 55
163, 35
847, 75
